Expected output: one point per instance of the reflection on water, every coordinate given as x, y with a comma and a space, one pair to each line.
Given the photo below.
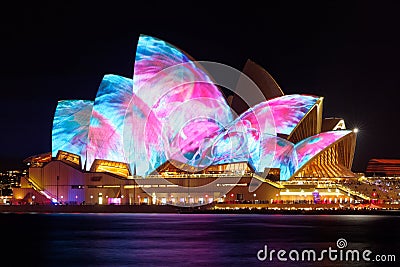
189, 239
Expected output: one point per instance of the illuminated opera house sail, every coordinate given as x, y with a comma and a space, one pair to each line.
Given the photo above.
172, 118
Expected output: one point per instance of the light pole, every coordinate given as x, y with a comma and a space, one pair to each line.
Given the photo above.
134, 192
58, 177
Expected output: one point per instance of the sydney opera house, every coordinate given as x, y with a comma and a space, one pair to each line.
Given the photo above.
177, 133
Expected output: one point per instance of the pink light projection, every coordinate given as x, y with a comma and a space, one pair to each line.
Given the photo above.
172, 110
177, 90
313, 145
288, 110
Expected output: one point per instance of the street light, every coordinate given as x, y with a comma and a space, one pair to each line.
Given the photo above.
355, 130
58, 178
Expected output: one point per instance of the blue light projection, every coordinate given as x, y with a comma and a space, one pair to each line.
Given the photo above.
70, 127
107, 121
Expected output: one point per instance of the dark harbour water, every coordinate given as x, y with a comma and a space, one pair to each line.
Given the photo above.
190, 239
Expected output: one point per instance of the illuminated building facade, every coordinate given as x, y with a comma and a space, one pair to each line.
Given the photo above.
383, 167
171, 135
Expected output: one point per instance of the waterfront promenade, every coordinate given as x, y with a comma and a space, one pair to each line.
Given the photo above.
212, 208
89, 208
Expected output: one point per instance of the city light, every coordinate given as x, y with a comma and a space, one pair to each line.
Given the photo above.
291, 156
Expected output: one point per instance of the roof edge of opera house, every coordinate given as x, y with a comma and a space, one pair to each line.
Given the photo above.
317, 147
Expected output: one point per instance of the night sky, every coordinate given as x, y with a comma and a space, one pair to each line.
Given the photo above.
345, 51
